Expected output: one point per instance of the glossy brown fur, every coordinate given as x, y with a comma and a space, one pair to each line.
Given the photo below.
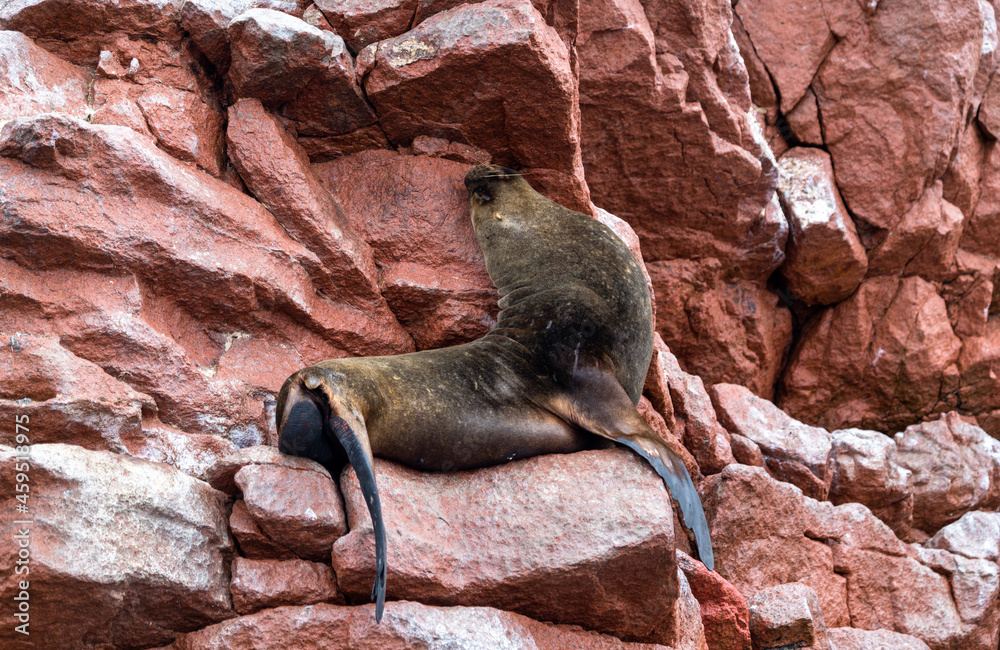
561, 371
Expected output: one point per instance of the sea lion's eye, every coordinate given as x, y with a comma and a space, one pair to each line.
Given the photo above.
482, 196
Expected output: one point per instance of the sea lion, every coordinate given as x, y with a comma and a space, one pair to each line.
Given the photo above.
562, 371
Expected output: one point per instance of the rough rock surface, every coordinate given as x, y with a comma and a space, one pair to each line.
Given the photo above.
299, 510
850, 638
68, 399
405, 625
413, 211
166, 574
793, 452
881, 359
766, 533
955, 467
260, 584
508, 537
885, 162
450, 78
172, 248
724, 611
34, 81
786, 615
825, 260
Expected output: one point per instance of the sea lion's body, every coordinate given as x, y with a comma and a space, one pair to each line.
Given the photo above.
562, 371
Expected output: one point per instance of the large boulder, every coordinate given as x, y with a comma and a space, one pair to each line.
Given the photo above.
521, 537
138, 548
493, 75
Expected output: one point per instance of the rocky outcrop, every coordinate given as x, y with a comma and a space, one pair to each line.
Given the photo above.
767, 534
406, 625
523, 536
139, 548
198, 198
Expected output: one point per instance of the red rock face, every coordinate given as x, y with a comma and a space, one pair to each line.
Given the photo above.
884, 163
199, 198
454, 75
414, 213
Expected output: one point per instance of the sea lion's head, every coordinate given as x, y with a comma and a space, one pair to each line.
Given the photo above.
492, 191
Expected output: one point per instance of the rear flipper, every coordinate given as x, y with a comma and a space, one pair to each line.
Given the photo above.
600, 405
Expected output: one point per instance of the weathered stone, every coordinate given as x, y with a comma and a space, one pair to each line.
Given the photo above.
724, 612
961, 180
221, 474
913, 90
786, 615
758, 530
881, 359
207, 23
803, 120
404, 625
259, 584
791, 40
669, 140
865, 468
979, 364
114, 104
252, 541
463, 73
138, 548
975, 535
414, 213
300, 510
722, 328
955, 466
192, 453
989, 110
255, 278
67, 399
185, 127
516, 537
981, 233
793, 452
825, 260
277, 171
34, 81
332, 103
362, 22
691, 406
275, 55
77, 29
924, 242
849, 638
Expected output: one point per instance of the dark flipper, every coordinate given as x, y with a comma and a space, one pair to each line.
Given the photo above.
598, 403
678, 481
361, 461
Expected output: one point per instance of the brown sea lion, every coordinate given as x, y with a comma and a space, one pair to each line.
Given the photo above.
561, 372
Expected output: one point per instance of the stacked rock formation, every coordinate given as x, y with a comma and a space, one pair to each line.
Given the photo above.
198, 198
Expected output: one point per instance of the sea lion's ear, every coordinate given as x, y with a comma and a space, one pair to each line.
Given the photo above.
353, 438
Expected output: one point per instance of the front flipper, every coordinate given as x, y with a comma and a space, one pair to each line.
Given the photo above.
361, 460
671, 469
599, 404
